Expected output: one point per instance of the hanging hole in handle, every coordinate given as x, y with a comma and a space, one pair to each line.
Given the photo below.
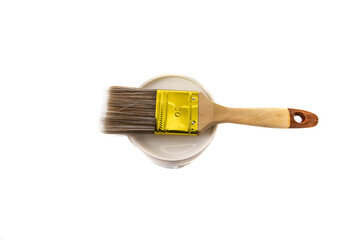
308, 119
299, 117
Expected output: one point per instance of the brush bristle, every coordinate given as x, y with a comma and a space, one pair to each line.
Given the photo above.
130, 110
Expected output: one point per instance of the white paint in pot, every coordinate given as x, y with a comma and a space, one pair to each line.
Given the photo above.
173, 151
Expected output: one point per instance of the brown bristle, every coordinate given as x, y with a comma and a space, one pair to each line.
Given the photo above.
130, 110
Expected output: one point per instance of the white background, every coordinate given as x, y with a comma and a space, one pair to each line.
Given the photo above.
61, 178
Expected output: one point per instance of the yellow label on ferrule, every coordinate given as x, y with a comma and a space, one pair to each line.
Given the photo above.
176, 112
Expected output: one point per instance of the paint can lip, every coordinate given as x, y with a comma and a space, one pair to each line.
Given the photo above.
174, 151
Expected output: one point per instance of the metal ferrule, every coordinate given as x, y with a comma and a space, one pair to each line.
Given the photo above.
176, 112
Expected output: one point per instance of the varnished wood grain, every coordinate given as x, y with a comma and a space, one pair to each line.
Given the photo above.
308, 119
211, 113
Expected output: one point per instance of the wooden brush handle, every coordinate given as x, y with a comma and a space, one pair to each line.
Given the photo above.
266, 117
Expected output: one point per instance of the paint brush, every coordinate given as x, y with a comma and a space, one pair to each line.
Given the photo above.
151, 111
